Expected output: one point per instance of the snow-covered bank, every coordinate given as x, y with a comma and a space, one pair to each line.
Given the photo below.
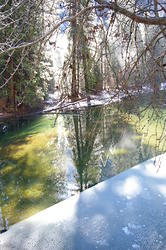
123, 212
103, 98
55, 104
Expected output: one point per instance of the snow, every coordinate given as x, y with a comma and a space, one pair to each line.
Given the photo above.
103, 98
163, 86
134, 226
135, 246
91, 219
126, 230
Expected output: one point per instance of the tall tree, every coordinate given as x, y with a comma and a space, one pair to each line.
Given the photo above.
125, 24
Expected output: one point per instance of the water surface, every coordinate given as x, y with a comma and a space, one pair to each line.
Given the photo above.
46, 159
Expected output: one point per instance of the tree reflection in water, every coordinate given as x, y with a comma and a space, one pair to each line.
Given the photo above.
94, 132
43, 160
106, 141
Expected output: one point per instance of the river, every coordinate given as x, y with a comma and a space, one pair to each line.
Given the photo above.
45, 159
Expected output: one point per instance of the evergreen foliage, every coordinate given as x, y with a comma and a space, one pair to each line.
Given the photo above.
21, 73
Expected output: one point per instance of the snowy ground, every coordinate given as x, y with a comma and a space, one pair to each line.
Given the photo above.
54, 102
103, 98
66, 104
125, 212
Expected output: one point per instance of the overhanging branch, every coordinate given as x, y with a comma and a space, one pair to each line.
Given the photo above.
101, 5
139, 19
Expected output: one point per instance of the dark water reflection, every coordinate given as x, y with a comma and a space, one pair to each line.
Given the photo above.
47, 159
104, 143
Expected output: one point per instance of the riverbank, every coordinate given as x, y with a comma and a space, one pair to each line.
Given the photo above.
124, 212
58, 105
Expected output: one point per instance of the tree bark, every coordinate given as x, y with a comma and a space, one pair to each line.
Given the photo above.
12, 87
74, 58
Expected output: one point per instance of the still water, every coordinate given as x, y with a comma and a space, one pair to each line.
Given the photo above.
46, 159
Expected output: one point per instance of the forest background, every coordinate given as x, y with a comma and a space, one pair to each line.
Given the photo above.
103, 45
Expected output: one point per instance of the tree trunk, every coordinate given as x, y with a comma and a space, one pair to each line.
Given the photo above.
74, 92
12, 87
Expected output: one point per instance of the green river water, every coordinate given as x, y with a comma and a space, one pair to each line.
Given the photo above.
46, 159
